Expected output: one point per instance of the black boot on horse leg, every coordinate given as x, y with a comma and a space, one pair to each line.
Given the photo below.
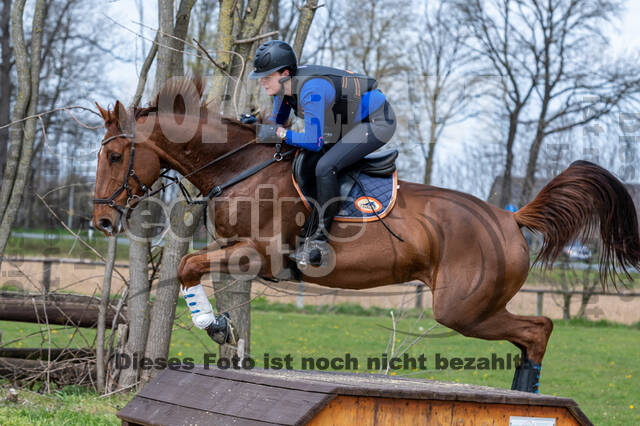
527, 375
222, 331
315, 247
218, 327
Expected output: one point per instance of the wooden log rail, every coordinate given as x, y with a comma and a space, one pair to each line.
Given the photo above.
58, 354
60, 309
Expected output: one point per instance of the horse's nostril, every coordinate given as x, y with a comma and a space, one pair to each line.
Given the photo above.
105, 224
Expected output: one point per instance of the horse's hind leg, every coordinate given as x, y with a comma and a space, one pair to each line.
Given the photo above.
529, 333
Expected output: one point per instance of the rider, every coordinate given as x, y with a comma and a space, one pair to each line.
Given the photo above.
338, 107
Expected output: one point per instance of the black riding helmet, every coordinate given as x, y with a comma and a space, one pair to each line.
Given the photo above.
273, 56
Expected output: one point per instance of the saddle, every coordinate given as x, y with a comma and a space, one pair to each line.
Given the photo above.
375, 173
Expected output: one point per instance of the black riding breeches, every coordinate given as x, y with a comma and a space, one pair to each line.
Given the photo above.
362, 139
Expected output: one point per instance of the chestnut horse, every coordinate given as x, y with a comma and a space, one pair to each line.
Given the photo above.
472, 255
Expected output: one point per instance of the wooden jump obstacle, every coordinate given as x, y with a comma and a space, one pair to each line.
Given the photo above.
289, 397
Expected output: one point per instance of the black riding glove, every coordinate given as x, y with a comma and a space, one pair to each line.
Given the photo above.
248, 118
266, 133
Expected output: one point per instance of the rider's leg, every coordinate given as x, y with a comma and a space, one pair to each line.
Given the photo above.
327, 190
361, 140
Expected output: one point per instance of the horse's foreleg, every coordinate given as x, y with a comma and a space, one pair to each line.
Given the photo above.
236, 259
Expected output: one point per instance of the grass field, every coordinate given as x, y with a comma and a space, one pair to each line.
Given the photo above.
593, 363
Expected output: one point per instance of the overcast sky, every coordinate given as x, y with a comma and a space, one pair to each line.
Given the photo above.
455, 141
125, 12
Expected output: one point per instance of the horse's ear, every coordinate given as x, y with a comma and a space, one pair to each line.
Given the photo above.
121, 117
119, 111
103, 112
199, 82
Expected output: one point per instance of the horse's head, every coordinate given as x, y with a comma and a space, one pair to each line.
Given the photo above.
127, 167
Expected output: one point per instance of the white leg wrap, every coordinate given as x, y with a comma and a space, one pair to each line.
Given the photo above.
200, 307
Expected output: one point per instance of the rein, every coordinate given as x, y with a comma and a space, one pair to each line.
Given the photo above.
216, 191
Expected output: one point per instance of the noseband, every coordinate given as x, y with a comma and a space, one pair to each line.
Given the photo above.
125, 185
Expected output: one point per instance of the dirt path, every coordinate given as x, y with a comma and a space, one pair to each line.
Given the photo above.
86, 279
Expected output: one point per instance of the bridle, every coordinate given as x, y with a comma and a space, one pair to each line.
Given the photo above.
216, 191
125, 185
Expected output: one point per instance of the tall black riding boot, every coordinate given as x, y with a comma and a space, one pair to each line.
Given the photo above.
315, 247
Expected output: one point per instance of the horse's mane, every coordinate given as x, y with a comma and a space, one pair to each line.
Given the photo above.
178, 87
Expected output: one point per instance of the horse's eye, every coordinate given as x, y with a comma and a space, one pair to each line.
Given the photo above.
114, 157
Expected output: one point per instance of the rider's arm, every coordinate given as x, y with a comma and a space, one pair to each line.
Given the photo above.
280, 112
315, 96
370, 102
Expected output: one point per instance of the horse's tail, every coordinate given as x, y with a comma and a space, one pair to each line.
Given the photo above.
572, 204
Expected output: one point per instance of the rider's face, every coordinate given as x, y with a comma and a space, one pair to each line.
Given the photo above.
271, 82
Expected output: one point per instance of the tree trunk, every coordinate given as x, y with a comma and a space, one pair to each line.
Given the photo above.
150, 333
144, 72
428, 166
19, 109
19, 162
138, 296
171, 63
224, 43
165, 29
505, 191
184, 221
5, 78
304, 23
589, 286
183, 17
102, 315
584, 302
529, 179
566, 306
184, 218
235, 299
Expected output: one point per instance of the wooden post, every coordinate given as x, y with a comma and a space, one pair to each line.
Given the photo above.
419, 291
46, 276
300, 299
539, 296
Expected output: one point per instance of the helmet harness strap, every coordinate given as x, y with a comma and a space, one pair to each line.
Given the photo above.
282, 82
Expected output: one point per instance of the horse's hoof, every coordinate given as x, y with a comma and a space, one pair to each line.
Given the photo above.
222, 331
